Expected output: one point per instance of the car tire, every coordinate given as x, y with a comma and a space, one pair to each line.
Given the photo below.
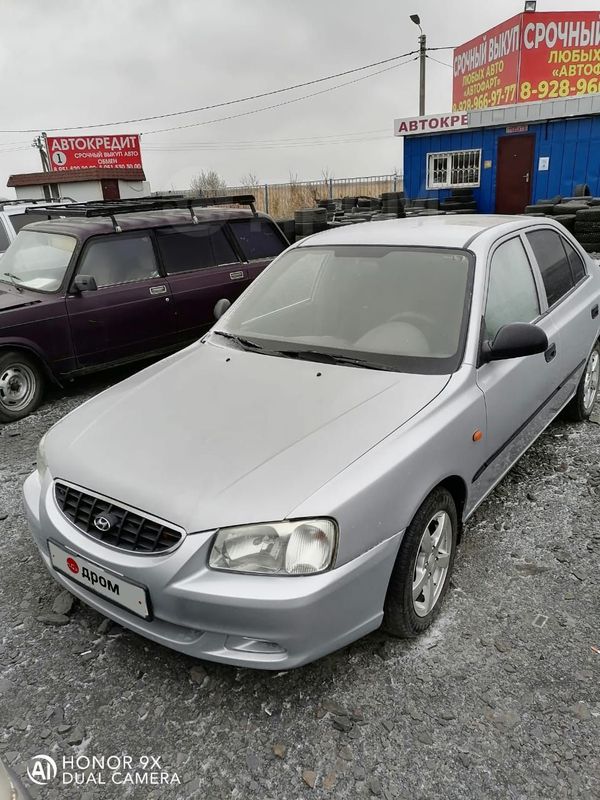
582, 405
21, 386
582, 190
407, 614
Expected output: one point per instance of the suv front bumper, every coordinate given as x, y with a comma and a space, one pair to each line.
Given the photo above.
266, 622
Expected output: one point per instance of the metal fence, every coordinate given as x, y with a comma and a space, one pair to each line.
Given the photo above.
282, 199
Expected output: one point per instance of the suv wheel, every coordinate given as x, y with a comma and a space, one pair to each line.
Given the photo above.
423, 567
582, 405
21, 386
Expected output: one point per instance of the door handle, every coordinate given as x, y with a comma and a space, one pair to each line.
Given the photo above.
550, 352
162, 289
237, 275
595, 311
526, 176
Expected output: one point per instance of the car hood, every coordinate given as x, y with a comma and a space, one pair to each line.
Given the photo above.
12, 298
215, 436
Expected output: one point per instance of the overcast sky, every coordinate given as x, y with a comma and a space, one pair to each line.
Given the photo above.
79, 62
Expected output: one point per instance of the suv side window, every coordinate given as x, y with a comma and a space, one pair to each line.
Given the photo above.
4, 240
512, 294
553, 263
575, 262
257, 237
119, 259
194, 247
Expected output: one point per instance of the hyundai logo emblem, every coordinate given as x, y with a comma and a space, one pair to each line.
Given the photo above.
102, 523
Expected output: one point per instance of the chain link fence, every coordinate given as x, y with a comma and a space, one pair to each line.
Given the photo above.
280, 200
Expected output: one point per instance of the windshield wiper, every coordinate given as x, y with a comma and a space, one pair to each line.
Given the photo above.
13, 280
247, 344
331, 358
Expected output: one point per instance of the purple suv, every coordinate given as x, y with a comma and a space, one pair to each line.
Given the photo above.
109, 284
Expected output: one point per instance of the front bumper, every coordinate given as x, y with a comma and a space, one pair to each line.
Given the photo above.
246, 620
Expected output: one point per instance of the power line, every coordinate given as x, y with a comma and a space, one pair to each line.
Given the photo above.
443, 63
278, 105
215, 105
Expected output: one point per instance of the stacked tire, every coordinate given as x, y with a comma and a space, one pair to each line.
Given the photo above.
309, 220
288, 228
587, 228
393, 203
461, 201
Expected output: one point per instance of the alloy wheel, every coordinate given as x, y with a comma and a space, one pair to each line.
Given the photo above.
431, 566
591, 380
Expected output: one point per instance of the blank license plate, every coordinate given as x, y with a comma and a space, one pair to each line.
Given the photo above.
105, 583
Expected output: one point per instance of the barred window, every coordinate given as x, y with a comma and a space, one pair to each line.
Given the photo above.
453, 170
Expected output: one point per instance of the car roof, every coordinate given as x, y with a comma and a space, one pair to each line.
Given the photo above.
451, 230
84, 227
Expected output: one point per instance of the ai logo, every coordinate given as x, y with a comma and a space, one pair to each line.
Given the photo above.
42, 770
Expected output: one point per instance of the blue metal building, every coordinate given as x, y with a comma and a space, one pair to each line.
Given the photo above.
510, 156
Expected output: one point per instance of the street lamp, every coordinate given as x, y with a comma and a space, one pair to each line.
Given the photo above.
422, 56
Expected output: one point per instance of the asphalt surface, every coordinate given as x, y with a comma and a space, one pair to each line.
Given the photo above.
501, 699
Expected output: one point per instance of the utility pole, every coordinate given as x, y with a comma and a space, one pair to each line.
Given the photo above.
422, 57
40, 143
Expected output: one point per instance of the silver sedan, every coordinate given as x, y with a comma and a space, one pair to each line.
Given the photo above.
301, 475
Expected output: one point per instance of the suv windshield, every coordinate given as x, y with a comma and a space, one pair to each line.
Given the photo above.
383, 307
37, 260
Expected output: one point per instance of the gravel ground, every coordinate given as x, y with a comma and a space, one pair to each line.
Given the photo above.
500, 700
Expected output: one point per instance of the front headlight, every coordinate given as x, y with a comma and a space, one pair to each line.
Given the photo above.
303, 547
42, 464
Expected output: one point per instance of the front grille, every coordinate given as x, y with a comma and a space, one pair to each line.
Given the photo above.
128, 530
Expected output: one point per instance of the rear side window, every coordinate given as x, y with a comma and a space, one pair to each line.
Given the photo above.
119, 259
4, 240
194, 247
575, 262
512, 296
553, 263
257, 238
19, 220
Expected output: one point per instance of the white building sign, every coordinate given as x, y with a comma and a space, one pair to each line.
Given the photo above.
434, 123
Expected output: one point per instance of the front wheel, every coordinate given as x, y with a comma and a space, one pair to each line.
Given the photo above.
423, 567
582, 405
21, 386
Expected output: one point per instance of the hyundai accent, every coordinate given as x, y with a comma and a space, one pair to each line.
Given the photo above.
300, 475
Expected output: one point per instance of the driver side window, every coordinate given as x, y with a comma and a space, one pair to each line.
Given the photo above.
512, 294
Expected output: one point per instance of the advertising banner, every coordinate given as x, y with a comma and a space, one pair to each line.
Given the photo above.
94, 152
532, 56
560, 55
486, 69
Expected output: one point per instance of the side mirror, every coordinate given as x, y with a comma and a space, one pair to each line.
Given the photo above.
514, 341
221, 307
84, 283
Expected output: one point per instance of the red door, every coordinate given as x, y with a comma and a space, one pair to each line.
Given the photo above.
514, 173
110, 189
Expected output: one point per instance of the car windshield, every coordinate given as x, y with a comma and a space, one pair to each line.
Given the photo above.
37, 260
383, 307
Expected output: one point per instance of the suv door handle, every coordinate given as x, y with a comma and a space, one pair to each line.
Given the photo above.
550, 352
595, 311
162, 289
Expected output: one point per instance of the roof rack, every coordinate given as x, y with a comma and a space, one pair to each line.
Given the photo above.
33, 201
112, 208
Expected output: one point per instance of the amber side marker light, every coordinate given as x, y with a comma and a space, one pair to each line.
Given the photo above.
477, 436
